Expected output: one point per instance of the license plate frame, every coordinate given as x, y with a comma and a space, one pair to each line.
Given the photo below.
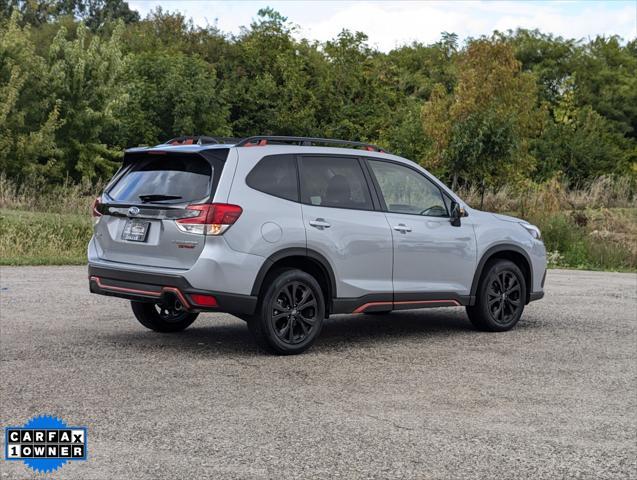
135, 230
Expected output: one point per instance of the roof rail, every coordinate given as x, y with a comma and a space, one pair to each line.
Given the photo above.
200, 140
261, 140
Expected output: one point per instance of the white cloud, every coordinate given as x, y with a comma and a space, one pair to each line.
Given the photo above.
390, 24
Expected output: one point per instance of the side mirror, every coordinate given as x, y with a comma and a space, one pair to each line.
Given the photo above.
456, 213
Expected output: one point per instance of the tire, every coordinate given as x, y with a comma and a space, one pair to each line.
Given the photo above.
500, 298
161, 319
281, 325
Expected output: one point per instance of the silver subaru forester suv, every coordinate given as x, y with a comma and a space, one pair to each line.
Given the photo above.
284, 231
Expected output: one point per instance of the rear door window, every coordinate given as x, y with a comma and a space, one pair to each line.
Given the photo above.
334, 182
276, 175
165, 179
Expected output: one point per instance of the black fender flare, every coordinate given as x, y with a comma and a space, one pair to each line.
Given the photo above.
294, 252
501, 247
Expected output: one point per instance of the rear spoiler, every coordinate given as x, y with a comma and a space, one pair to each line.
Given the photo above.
136, 154
201, 140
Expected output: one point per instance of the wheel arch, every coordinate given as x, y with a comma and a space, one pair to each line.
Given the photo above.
506, 251
306, 260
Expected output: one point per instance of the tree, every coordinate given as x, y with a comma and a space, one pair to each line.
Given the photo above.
94, 13
29, 116
551, 59
580, 144
86, 79
82, 79
170, 95
481, 131
417, 68
606, 79
272, 80
357, 95
33, 12
97, 13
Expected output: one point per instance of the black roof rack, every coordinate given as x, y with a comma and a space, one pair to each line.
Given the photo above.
200, 140
260, 140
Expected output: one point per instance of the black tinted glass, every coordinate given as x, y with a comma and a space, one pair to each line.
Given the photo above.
275, 175
334, 182
165, 179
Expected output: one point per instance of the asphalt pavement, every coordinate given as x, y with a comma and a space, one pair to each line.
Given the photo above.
413, 394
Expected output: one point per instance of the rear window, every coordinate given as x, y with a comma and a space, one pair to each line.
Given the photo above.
165, 179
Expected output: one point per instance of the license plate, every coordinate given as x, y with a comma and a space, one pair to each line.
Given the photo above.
135, 230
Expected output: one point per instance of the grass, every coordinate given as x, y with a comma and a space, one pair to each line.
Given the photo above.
600, 239
593, 227
43, 238
52, 225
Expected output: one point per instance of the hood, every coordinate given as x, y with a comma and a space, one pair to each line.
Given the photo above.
506, 218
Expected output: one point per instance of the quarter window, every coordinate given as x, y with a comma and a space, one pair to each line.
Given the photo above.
407, 191
334, 182
275, 175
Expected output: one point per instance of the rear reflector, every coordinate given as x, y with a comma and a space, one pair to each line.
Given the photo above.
212, 219
203, 300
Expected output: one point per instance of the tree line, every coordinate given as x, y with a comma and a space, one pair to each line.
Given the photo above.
82, 79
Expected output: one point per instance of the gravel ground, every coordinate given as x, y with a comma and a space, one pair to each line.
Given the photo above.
409, 395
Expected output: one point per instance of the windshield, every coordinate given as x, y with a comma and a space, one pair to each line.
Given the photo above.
165, 179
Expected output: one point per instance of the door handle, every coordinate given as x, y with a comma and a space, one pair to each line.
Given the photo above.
320, 223
402, 228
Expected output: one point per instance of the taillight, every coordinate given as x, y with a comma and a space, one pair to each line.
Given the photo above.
211, 219
95, 208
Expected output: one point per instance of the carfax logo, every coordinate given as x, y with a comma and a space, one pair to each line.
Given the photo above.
45, 443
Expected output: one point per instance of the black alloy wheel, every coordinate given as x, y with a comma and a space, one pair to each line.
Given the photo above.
500, 298
503, 297
290, 312
162, 318
294, 312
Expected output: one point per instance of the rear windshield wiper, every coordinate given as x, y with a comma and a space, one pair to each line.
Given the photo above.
158, 198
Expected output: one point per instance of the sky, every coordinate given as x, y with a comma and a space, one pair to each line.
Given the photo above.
390, 24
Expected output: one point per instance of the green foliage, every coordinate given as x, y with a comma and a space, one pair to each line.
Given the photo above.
80, 80
606, 79
560, 233
37, 238
482, 128
86, 79
549, 58
28, 121
95, 13
584, 147
272, 89
576, 246
484, 145
57, 113
171, 94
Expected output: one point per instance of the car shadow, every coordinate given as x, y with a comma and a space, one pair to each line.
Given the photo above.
340, 332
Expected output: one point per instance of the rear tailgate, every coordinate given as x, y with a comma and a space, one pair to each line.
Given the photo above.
140, 206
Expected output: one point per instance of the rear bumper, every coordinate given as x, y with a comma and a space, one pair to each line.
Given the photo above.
162, 288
